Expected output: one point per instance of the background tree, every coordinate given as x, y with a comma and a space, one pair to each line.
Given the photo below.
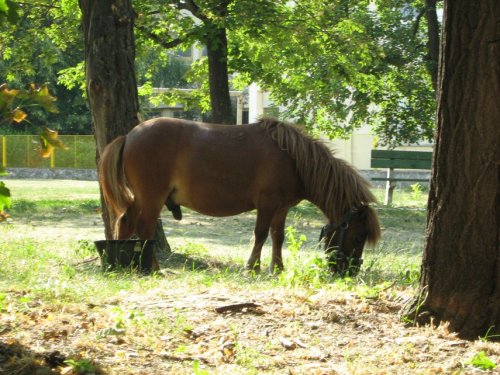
460, 280
108, 27
335, 64
13, 104
340, 64
183, 23
42, 45
109, 66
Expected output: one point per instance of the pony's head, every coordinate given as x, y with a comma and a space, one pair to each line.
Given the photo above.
345, 241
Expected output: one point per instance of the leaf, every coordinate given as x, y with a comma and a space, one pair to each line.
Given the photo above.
10, 9
7, 96
42, 97
4, 196
49, 141
18, 115
4, 8
481, 361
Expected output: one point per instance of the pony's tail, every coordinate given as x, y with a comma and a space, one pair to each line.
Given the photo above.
372, 223
116, 193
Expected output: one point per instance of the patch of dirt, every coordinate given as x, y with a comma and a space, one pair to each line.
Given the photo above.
289, 332
177, 330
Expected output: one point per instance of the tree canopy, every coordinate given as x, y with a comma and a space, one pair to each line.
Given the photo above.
335, 64
341, 64
43, 45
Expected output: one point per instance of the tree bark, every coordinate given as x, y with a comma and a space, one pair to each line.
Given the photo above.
109, 70
460, 280
218, 77
433, 40
108, 27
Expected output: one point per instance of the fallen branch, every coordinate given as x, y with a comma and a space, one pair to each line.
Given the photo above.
236, 307
185, 358
86, 261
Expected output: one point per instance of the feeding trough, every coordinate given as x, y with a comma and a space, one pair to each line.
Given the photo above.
126, 254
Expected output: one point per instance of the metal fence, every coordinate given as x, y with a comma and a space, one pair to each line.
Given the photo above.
23, 151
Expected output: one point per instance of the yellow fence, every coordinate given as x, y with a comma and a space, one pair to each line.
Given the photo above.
23, 151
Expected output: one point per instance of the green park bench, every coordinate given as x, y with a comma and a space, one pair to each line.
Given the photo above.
392, 160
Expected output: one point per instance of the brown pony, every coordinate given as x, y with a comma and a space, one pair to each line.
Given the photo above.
222, 170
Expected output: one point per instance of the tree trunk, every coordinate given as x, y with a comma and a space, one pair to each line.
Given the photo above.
460, 281
433, 40
109, 70
218, 77
108, 27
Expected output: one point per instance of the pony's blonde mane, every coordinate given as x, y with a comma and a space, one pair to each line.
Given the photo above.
330, 183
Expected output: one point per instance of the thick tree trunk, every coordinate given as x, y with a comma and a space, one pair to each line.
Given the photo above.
109, 68
218, 77
109, 62
108, 27
460, 281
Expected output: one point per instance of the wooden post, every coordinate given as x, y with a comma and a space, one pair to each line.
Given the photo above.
389, 189
4, 151
53, 159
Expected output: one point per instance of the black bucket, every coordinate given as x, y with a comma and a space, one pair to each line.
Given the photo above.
126, 254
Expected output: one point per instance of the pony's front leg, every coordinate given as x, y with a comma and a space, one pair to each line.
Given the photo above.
278, 237
261, 232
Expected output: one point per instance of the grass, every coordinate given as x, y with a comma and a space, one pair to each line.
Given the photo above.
52, 290
396, 258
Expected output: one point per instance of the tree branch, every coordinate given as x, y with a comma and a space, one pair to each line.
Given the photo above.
417, 21
157, 39
192, 7
41, 5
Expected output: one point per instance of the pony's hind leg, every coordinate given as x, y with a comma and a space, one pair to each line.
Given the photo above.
278, 237
261, 232
127, 224
146, 223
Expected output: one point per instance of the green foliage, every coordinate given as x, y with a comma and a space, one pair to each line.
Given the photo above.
13, 102
481, 361
294, 240
357, 64
312, 272
197, 370
8, 11
46, 40
416, 191
5, 201
82, 366
488, 336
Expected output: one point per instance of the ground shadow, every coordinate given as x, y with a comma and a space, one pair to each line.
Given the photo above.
18, 359
179, 261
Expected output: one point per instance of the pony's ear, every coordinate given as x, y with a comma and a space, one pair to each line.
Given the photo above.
372, 225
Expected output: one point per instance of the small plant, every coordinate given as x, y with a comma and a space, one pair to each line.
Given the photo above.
85, 248
82, 367
295, 242
197, 370
3, 303
410, 276
311, 271
416, 191
481, 361
488, 336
